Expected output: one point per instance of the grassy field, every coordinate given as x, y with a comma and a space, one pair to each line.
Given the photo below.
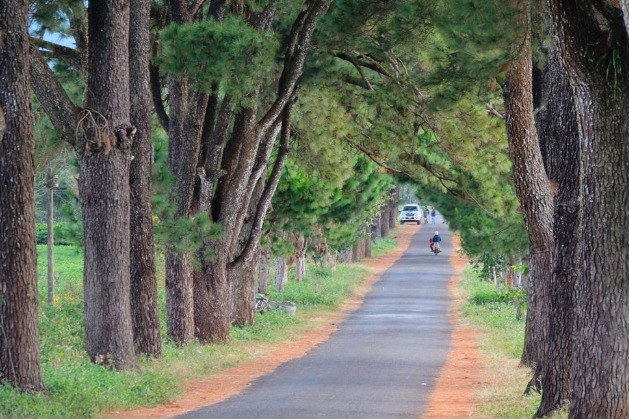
492, 314
80, 389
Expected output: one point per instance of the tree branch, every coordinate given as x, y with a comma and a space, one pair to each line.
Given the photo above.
269, 189
298, 46
54, 99
158, 102
492, 111
68, 55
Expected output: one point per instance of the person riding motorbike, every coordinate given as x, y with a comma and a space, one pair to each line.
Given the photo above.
436, 239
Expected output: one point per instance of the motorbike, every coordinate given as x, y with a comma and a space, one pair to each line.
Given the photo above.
436, 249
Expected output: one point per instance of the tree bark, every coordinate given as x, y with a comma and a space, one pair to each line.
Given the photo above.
146, 334
103, 145
559, 138
19, 342
600, 380
180, 315
212, 302
533, 191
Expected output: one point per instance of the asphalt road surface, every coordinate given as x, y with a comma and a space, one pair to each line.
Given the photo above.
384, 360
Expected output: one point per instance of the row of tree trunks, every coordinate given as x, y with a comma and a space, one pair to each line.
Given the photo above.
103, 137
19, 322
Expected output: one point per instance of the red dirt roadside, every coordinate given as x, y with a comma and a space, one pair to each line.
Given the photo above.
452, 398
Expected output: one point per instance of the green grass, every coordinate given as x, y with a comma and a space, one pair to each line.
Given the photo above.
383, 246
79, 389
493, 314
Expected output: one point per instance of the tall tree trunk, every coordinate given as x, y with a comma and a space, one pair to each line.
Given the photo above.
50, 216
560, 145
19, 342
187, 108
300, 257
533, 190
368, 243
393, 212
356, 252
281, 273
263, 270
588, 49
375, 229
384, 223
103, 145
146, 334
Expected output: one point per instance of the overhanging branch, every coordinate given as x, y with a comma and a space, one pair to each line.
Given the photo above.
68, 55
53, 98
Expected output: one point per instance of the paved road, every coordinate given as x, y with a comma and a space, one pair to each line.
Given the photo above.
384, 360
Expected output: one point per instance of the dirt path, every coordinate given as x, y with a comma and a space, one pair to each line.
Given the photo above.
453, 396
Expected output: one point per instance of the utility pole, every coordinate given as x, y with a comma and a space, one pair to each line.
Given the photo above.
51, 184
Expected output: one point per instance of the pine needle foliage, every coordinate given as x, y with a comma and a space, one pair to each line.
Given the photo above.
231, 52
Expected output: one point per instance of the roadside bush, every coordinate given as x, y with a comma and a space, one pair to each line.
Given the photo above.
498, 295
66, 233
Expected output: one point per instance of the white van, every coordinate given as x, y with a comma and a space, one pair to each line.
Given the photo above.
410, 213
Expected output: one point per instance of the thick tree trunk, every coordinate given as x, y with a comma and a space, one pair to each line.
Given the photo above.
533, 190
300, 257
19, 342
103, 144
243, 292
281, 273
600, 383
560, 145
179, 299
263, 270
146, 334
212, 302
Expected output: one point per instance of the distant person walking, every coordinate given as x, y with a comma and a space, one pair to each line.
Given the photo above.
426, 212
433, 214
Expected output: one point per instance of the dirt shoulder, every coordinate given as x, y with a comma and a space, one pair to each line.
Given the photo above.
230, 382
461, 376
